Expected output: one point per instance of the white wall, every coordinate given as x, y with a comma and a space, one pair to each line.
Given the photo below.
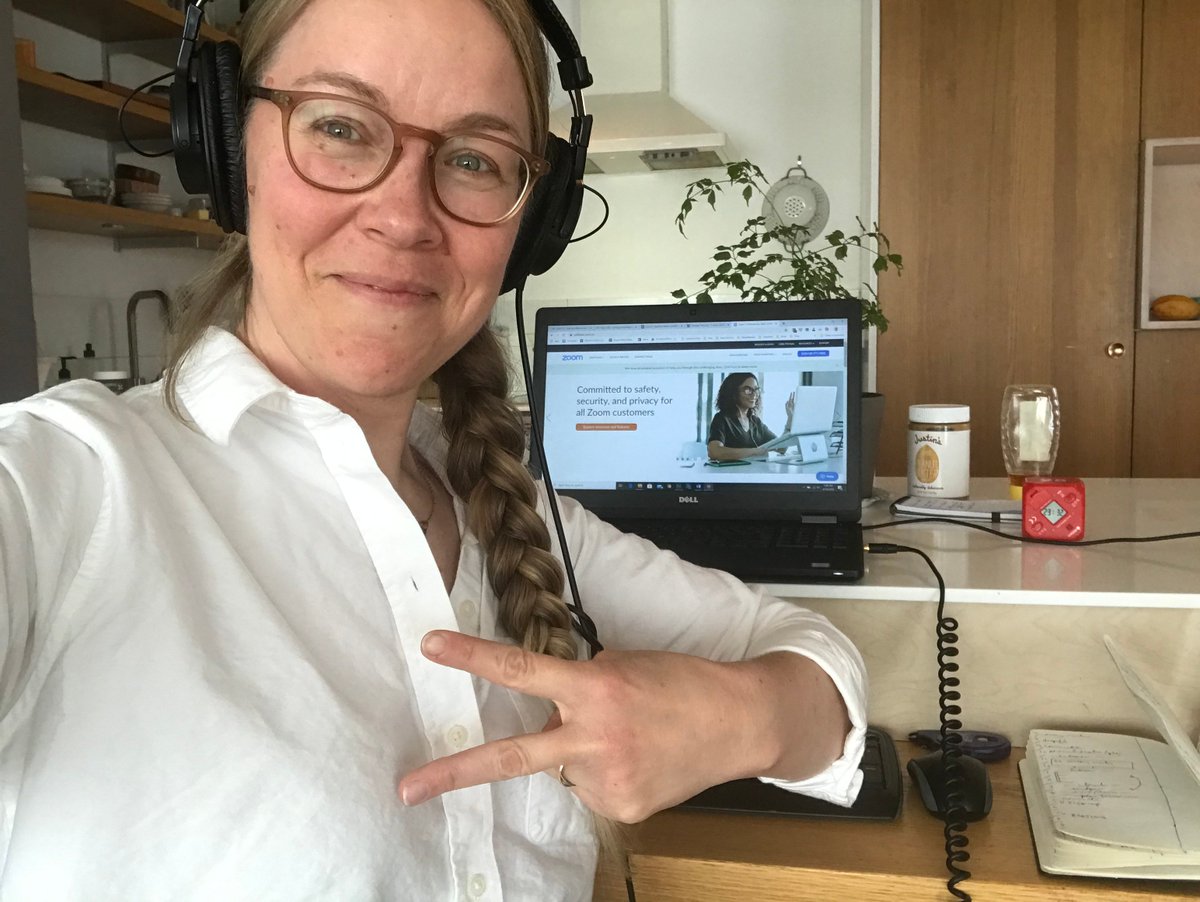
80, 290
1175, 229
780, 78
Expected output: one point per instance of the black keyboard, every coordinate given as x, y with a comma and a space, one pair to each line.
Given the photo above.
879, 799
760, 534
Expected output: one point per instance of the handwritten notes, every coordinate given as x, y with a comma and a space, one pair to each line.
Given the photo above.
1104, 788
1116, 806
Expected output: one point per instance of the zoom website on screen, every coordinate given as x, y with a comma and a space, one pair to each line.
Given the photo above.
633, 406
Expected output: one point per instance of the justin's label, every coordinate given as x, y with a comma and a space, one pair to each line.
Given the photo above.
939, 463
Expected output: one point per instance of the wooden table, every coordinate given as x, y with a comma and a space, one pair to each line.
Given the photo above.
684, 856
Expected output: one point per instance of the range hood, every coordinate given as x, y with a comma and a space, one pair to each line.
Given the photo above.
637, 125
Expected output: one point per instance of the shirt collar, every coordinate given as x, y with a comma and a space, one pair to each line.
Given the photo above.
220, 380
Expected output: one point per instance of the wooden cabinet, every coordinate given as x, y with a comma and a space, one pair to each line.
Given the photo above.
1166, 412
1170, 76
1008, 181
1010, 139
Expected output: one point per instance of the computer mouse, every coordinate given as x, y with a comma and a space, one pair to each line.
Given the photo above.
975, 791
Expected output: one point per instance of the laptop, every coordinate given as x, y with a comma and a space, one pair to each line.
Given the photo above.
627, 397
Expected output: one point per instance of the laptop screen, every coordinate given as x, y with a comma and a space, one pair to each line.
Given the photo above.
633, 402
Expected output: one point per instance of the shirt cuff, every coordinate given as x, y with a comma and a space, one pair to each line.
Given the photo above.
839, 783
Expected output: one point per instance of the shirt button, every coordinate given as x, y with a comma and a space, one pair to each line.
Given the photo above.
457, 736
477, 885
468, 611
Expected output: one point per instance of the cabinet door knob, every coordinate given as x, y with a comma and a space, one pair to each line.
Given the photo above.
1115, 349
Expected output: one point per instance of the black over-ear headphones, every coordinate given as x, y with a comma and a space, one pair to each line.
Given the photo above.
207, 109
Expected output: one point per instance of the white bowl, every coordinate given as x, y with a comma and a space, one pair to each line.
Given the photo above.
47, 183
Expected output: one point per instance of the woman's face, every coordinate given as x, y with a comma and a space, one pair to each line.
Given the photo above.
362, 296
748, 394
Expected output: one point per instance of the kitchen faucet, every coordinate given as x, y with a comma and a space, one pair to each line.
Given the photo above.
131, 325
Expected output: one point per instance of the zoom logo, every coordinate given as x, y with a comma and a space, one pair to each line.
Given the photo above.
572, 357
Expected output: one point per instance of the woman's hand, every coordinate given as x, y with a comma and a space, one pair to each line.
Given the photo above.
637, 732
789, 407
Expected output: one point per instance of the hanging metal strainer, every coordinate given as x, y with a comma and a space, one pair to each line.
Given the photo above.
797, 200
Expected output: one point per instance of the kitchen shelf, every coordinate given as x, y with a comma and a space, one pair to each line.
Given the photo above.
122, 21
65, 214
1170, 226
62, 102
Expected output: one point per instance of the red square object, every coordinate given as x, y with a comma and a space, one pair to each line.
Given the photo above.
1052, 508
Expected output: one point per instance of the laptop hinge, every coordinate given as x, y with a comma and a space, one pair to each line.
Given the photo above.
818, 518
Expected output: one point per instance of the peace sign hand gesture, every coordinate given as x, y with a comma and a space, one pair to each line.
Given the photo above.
635, 732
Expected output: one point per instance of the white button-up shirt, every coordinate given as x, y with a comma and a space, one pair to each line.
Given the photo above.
210, 675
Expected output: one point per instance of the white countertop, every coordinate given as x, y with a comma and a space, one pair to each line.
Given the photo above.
979, 567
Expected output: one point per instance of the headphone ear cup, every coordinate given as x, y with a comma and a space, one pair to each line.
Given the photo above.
549, 218
218, 79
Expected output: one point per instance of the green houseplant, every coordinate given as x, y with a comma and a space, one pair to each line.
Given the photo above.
775, 260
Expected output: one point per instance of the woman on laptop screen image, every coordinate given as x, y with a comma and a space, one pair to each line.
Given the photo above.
737, 430
271, 628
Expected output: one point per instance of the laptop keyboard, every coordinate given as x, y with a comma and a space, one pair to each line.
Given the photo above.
880, 797
754, 534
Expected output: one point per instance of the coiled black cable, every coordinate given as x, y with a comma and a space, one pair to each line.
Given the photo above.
954, 825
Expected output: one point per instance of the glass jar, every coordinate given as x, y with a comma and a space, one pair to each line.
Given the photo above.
939, 450
1029, 429
116, 381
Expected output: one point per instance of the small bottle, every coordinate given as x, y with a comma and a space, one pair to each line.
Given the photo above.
939, 450
88, 364
1029, 426
64, 374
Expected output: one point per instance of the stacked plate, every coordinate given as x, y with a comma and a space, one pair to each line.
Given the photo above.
151, 202
47, 184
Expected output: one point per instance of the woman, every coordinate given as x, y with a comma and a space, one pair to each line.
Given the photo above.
737, 430
263, 618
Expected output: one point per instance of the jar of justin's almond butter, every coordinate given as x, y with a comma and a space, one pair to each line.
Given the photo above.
939, 450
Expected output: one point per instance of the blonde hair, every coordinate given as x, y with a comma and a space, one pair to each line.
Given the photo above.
486, 437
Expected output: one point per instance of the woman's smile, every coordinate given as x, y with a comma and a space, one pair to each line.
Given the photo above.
384, 290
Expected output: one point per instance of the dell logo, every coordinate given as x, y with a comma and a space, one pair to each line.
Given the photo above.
572, 357
688, 499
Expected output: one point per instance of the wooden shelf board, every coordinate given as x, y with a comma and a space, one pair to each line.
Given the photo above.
61, 102
1175, 152
1152, 324
65, 214
115, 20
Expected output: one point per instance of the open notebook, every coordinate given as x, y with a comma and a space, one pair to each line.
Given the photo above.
629, 397
1107, 805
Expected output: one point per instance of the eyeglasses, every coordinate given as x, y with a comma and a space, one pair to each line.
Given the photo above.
346, 146
747, 390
